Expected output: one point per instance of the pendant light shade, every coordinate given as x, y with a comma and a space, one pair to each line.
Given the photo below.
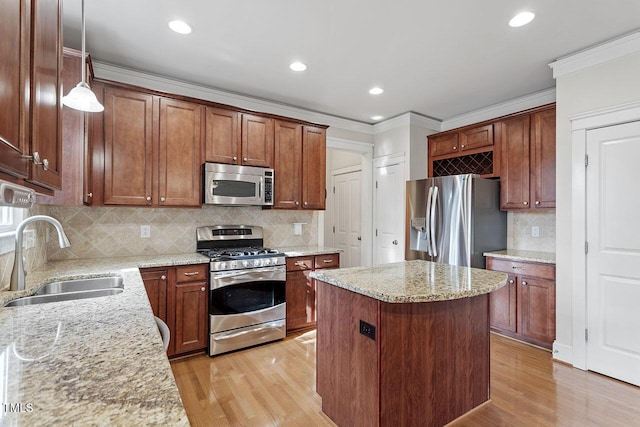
81, 97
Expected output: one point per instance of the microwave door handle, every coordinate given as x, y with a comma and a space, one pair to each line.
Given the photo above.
260, 189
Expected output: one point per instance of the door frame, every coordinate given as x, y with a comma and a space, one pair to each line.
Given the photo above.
380, 162
580, 125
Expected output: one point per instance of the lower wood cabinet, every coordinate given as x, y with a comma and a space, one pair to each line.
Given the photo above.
301, 289
183, 292
526, 307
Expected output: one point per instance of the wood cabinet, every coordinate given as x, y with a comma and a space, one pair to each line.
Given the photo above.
525, 307
300, 165
31, 63
238, 139
528, 161
152, 150
467, 139
301, 289
181, 294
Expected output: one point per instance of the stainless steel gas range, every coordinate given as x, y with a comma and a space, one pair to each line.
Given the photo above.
247, 287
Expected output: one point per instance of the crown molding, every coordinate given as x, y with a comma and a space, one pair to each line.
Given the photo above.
155, 82
501, 109
407, 119
347, 144
616, 48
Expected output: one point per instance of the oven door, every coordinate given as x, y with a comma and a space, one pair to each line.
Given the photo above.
222, 188
246, 297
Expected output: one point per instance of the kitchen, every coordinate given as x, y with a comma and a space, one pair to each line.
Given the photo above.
102, 231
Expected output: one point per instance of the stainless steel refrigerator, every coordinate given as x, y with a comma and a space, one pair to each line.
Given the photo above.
454, 219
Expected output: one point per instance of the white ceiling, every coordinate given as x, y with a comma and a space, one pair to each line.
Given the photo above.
436, 58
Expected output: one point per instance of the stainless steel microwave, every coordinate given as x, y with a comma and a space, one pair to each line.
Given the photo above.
237, 185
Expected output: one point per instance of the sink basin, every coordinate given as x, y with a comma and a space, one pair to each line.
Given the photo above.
91, 284
63, 296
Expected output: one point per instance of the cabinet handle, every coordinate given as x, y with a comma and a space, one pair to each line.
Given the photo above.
36, 160
203, 289
524, 283
525, 203
299, 263
235, 158
327, 261
511, 282
537, 202
516, 267
192, 273
162, 199
163, 277
359, 237
395, 242
148, 198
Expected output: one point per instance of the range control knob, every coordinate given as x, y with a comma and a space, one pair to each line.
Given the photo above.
232, 265
267, 261
257, 263
223, 266
245, 263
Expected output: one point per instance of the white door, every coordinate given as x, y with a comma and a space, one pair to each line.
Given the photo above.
613, 258
389, 214
347, 217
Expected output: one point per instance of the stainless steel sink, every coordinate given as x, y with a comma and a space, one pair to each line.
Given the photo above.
65, 296
68, 290
91, 284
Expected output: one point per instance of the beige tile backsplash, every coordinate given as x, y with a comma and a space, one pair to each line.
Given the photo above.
519, 231
97, 232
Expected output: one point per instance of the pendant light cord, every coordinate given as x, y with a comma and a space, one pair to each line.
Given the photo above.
84, 60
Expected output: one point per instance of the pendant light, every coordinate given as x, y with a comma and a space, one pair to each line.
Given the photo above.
81, 97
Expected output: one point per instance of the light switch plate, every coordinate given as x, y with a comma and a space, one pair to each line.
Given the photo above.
145, 231
535, 231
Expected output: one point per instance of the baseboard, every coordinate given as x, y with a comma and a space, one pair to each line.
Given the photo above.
563, 353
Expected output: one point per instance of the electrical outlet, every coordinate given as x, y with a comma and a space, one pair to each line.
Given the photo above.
145, 231
535, 231
368, 330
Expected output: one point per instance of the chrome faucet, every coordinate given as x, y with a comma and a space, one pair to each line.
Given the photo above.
18, 274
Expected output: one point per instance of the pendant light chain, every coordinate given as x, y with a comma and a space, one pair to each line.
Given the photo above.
84, 59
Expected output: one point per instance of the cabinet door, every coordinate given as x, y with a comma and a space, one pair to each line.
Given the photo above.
471, 139
287, 164
442, 145
314, 159
179, 180
222, 136
299, 294
502, 306
128, 147
537, 310
190, 330
46, 93
543, 159
257, 141
155, 282
514, 175
14, 81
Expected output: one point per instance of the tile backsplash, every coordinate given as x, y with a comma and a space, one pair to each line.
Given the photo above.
519, 231
97, 232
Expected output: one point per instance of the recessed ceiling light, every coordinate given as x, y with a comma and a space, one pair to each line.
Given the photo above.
180, 27
521, 19
376, 90
298, 66
376, 118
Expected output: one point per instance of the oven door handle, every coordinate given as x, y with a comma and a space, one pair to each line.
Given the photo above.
228, 278
232, 335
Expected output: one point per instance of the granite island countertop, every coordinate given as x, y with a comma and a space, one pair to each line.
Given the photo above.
414, 281
96, 361
294, 251
527, 256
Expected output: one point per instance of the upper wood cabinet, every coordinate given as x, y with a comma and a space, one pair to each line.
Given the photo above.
238, 139
299, 163
31, 64
528, 161
152, 150
467, 139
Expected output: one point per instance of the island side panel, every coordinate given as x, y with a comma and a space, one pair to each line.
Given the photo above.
434, 360
347, 361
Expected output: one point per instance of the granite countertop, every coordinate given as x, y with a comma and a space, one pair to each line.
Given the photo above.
292, 251
527, 256
96, 361
414, 281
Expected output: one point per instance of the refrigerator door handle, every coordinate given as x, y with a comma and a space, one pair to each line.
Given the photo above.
427, 233
432, 218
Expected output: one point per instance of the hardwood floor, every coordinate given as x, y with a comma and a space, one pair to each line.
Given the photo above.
274, 385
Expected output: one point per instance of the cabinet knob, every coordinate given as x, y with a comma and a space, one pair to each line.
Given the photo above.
45, 164
162, 199
297, 203
235, 158
245, 159
305, 203
455, 147
395, 242
524, 283
148, 198
89, 195
537, 202
462, 145
163, 277
525, 203
511, 282
359, 237
203, 289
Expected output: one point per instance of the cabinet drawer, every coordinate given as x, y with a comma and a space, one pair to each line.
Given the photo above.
519, 268
190, 273
299, 263
443, 145
327, 261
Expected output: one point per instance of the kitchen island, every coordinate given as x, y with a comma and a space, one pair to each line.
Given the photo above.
404, 343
